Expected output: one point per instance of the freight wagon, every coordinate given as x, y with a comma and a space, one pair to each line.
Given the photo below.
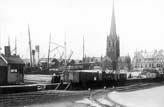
85, 79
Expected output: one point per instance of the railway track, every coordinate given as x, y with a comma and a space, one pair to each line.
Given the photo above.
28, 98
103, 100
39, 97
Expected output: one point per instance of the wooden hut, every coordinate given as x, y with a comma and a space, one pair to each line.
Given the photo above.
3, 71
11, 69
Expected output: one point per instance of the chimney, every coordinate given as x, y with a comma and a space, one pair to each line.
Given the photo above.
7, 51
33, 54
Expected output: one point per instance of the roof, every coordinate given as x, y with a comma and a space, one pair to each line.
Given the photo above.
2, 62
26, 60
13, 59
46, 59
92, 71
146, 54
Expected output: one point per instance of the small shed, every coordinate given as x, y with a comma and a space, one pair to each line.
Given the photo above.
3, 72
11, 69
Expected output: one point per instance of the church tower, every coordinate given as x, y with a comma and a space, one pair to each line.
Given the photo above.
113, 43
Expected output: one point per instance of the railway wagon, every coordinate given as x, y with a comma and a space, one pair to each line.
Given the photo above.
83, 78
77, 76
92, 78
56, 79
114, 79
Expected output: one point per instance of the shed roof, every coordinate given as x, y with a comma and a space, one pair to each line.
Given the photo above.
13, 59
2, 62
92, 71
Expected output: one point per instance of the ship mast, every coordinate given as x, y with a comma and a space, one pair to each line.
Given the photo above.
83, 51
30, 46
15, 45
65, 47
49, 51
8, 40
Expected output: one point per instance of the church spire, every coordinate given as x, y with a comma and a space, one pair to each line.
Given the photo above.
113, 23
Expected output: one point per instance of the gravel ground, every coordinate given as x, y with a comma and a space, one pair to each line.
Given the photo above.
42, 98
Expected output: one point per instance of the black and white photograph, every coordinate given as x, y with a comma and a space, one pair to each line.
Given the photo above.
81, 53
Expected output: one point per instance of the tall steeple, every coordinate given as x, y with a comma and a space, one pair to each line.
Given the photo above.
113, 23
113, 43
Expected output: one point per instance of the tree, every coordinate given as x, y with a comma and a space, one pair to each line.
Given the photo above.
106, 63
72, 62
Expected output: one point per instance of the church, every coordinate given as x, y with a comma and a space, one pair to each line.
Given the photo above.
113, 43
115, 62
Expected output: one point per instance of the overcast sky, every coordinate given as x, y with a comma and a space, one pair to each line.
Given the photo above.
140, 25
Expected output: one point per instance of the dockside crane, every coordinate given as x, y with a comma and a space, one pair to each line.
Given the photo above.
70, 55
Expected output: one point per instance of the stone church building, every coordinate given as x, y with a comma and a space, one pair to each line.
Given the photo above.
113, 44
115, 62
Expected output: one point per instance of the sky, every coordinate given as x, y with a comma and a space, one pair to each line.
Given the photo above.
139, 24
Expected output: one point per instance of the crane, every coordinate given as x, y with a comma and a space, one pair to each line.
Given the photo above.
70, 55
